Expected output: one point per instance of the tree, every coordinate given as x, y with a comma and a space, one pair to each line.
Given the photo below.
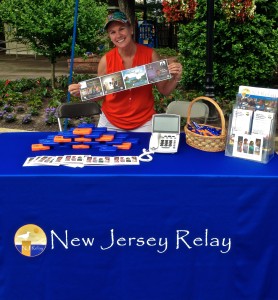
128, 7
47, 25
245, 53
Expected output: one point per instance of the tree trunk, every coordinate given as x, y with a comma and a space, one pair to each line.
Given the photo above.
128, 7
2, 38
53, 75
113, 3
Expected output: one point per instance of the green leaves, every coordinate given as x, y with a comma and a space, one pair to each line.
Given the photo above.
47, 25
243, 53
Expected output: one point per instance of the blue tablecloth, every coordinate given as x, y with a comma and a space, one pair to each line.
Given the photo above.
190, 225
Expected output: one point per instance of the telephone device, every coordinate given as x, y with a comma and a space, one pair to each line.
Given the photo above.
165, 133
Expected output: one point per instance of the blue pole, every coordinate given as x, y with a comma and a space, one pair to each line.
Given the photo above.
73, 44
72, 53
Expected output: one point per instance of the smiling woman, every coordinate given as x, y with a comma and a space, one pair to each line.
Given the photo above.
131, 109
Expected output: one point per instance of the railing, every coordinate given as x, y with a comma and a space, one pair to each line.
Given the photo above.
12, 46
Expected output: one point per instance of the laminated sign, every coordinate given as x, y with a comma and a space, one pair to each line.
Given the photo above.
124, 80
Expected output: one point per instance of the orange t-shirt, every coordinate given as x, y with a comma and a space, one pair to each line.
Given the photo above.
131, 108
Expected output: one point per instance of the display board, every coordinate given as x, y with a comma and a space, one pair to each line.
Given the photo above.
125, 79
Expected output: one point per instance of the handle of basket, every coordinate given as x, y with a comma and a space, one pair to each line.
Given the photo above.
215, 104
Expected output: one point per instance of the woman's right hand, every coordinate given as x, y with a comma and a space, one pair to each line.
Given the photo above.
74, 89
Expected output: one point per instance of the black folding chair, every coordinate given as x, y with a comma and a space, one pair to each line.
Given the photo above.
75, 110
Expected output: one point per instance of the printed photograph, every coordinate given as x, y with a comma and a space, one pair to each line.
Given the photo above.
91, 89
158, 71
135, 77
112, 83
248, 146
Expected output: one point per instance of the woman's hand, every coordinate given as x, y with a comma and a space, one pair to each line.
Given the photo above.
74, 89
166, 87
175, 70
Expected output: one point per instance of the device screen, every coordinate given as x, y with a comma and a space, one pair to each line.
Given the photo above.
166, 124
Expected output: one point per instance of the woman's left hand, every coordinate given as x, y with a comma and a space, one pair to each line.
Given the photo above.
175, 70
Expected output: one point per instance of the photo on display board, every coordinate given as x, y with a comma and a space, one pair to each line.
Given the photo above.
158, 71
135, 77
112, 83
91, 89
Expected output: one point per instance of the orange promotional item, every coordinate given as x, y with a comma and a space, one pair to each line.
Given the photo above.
105, 138
80, 147
61, 139
82, 131
39, 147
82, 139
124, 146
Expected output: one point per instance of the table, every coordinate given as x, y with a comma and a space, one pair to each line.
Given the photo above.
190, 225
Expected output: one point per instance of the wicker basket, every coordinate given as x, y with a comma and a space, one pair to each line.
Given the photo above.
206, 143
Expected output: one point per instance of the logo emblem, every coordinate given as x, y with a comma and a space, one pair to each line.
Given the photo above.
30, 240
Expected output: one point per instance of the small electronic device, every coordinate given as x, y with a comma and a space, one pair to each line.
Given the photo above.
165, 133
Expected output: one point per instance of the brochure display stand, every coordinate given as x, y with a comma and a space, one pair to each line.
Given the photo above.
252, 124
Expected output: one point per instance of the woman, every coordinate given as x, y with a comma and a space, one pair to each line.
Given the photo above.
132, 109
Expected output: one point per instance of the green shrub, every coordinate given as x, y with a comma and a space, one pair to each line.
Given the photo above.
57, 97
33, 111
23, 84
47, 26
166, 52
244, 53
35, 101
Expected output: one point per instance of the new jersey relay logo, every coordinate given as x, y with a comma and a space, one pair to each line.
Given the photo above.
30, 240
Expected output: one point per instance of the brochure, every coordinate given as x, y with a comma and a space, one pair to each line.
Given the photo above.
241, 121
263, 123
81, 161
123, 80
254, 102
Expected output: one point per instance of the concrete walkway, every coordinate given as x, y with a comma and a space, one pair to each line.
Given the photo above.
29, 66
10, 130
